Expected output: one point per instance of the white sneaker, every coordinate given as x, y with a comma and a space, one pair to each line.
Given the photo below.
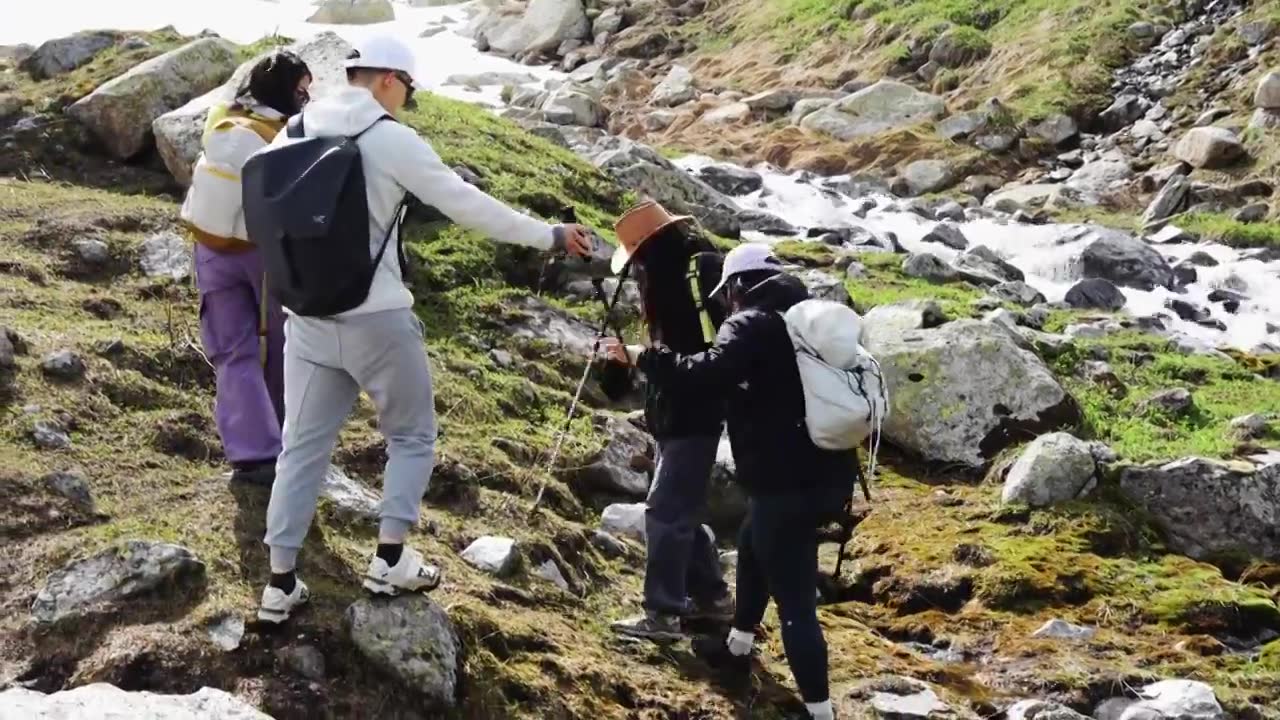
409, 574
277, 606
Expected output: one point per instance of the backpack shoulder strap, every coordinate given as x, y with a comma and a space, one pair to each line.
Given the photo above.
295, 128
699, 303
372, 125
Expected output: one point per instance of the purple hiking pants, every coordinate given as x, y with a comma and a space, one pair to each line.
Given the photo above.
250, 403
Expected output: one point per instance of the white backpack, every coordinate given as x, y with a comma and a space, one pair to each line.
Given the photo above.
845, 397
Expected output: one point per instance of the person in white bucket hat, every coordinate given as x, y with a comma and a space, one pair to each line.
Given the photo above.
378, 345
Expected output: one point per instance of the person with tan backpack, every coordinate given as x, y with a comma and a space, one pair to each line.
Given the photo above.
241, 327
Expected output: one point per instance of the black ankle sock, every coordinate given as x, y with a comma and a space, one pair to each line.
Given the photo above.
390, 553
286, 582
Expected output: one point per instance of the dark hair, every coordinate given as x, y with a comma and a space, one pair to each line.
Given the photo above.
273, 81
662, 266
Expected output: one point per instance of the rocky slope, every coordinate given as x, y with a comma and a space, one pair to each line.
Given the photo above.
1076, 515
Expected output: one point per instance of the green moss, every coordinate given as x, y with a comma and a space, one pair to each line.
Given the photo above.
1223, 229
56, 93
885, 283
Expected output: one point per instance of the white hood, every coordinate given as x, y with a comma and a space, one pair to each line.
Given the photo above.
346, 112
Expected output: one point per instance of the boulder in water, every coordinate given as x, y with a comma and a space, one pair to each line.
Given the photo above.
112, 576
982, 266
412, 639
1018, 292
1007, 391
1210, 508
100, 700
353, 12
731, 180
62, 55
928, 176
947, 234
1095, 294
1209, 147
1125, 261
1054, 468
886, 105
120, 112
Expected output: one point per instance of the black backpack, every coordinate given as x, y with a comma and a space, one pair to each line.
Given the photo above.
306, 210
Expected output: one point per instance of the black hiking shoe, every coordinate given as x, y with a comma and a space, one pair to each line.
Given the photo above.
719, 610
260, 472
651, 626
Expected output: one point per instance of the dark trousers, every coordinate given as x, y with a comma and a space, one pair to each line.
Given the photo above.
682, 562
778, 558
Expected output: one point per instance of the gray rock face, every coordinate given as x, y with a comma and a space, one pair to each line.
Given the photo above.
727, 114
1171, 199
120, 112
1176, 700
1055, 129
544, 25
884, 322
494, 555
74, 487
62, 55
542, 322
952, 50
166, 254
101, 700
927, 176
731, 180
1267, 96
227, 632
352, 501
1209, 147
1005, 388
50, 436
92, 252
63, 365
178, 132
353, 12
676, 89
1251, 426
624, 520
1208, 507
929, 267
571, 106
778, 100
1257, 32
961, 125
1054, 468
113, 575
1095, 294
1018, 292
1063, 630
412, 639
949, 235
1095, 180
808, 106
886, 105
1177, 401
982, 266
901, 698
825, 286
644, 170
1037, 710
1125, 261
615, 471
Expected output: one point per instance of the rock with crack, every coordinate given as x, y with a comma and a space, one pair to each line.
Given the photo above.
947, 234
886, 105
494, 555
1054, 468
100, 700
1019, 293
619, 468
928, 176
642, 169
63, 365
353, 12
543, 26
1209, 147
166, 254
120, 112
1210, 508
112, 576
1125, 261
178, 132
1063, 630
1171, 199
64, 54
624, 520
731, 179
413, 640
677, 88
1037, 710
353, 501
1006, 391
983, 266
884, 322
542, 322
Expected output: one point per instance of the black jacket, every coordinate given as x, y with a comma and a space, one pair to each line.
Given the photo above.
685, 412
754, 364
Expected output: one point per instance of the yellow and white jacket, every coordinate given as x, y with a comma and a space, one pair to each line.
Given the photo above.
213, 210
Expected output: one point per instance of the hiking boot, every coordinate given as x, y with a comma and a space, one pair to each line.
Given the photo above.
719, 610
714, 651
258, 472
278, 606
651, 626
410, 574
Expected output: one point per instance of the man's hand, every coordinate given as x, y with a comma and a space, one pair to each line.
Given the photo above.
574, 239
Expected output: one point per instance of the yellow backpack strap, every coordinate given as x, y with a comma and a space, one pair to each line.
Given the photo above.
708, 330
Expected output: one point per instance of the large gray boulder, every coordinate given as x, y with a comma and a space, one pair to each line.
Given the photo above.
1209, 147
570, 105
927, 176
106, 579
1171, 199
962, 392
642, 169
677, 88
120, 112
619, 469
1055, 129
1267, 96
101, 700
731, 179
1207, 507
888, 321
353, 12
1054, 468
178, 132
62, 55
1095, 294
1095, 180
412, 639
1175, 700
544, 25
982, 266
1125, 261
886, 105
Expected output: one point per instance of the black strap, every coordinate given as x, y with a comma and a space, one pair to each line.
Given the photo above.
394, 226
294, 127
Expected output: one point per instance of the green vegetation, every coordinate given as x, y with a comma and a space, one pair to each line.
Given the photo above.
1223, 229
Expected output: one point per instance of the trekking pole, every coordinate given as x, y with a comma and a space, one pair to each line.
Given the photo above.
847, 533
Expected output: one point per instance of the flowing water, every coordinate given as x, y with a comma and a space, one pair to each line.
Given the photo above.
1048, 254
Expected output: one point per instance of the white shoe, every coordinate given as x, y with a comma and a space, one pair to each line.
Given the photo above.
410, 574
277, 606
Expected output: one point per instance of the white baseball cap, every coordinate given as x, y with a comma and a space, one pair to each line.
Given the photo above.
747, 257
385, 52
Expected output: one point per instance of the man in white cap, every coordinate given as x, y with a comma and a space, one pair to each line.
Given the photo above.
794, 486
377, 346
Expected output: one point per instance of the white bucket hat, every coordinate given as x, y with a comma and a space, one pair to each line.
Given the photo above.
747, 257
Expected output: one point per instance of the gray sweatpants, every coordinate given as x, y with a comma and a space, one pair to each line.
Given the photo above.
327, 362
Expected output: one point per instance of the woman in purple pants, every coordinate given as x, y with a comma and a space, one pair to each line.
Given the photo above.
241, 327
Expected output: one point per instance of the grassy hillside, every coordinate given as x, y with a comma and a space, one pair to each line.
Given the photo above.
978, 580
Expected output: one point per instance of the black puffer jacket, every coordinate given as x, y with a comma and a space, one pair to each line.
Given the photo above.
754, 364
